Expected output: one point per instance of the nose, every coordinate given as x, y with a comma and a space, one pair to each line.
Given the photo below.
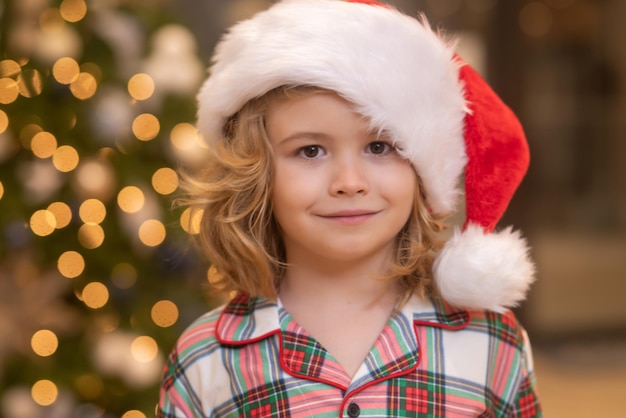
349, 178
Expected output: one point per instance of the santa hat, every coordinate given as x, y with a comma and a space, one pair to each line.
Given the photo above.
407, 80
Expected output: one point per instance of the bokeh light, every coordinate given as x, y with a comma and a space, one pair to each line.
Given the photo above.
73, 10
4, 121
65, 158
213, 275
65, 70
71, 264
1, 190
184, 136
9, 90
131, 199
141, 86
43, 223
62, 213
44, 392
165, 181
43, 144
30, 83
190, 220
44, 343
95, 295
84, 87
144, 349
95, 177
124, 275
152, 232
164, 313
134, 414
91, 236
9, 68
92, 211
146, 127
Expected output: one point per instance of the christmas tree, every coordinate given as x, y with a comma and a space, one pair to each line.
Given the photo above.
97, 274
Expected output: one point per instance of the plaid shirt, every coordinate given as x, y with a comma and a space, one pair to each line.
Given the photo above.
251, 359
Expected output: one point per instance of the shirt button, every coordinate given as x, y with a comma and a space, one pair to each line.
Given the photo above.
353, 410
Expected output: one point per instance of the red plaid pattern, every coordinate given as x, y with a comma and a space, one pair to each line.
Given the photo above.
250, 359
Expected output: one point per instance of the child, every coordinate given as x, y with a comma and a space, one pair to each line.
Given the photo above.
339, 131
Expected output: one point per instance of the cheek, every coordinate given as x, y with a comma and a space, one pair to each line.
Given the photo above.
402, 185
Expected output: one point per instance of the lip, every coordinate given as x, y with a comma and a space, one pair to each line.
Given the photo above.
350, 216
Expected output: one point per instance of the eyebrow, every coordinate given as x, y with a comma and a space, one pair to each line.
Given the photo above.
303, 135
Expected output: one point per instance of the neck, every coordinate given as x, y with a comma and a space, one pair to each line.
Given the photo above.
354, 286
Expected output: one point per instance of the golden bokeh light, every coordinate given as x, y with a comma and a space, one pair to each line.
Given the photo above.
44, 392
71, 264
213, 275
144, 349
146, 127
124, 275
9, 90
1, 190
65, 158
95, 295
131, 199
164, 313
43, 223
4, 121
65, 70
62, 213
184, 136
190, 220
50, 20
43, 144
73, 10
152, 232
141, 86
9, 68
90, 386
90, 236
134, 414
29, 83
84, 86
44, 343
165, 181
92, 211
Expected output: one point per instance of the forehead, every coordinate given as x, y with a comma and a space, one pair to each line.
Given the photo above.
323, 112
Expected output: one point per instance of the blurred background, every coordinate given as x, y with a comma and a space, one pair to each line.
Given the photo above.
97, 275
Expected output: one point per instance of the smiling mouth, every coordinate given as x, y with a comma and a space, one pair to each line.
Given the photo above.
350, 217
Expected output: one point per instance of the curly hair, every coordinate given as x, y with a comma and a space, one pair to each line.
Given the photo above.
238, 232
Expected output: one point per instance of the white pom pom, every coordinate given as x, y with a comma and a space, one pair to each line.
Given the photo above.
479, 270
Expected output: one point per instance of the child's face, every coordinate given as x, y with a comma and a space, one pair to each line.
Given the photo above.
340, 192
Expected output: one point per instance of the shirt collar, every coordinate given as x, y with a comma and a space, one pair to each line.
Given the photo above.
246, 320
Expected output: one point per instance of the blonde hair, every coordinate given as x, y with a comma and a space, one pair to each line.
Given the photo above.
238, 232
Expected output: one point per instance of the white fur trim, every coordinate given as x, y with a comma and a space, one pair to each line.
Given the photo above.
394, 68
484, 270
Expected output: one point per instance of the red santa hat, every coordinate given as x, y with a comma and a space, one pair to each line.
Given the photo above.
407, 80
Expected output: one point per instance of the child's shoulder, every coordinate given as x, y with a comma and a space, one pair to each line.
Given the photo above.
201, 332
493, 325
227, 324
